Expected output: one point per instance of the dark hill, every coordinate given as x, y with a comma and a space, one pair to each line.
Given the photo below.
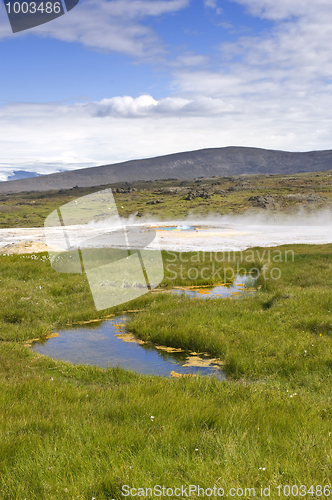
189, 165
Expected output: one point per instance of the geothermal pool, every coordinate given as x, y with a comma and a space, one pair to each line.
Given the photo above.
107, 344
218, 235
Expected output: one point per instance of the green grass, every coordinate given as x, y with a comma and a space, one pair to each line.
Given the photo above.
285, 329
87, 432
254, 341
77, 432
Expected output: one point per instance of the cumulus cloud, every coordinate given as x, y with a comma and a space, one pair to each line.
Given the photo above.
147, 106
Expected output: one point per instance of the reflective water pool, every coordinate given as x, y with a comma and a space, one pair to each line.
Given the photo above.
107, 344
174, 228
241, 286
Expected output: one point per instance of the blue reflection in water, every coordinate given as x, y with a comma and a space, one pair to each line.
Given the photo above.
173, 228
98, 345
241, 286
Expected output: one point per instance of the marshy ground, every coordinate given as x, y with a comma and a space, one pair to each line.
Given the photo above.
78, 432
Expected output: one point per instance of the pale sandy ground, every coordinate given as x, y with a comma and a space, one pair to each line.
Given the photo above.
207, 236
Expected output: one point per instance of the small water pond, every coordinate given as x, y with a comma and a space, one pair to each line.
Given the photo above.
241, 286
174, 228
107, 344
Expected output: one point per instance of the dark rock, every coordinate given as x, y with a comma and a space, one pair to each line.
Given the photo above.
191, 196
198, 194
154, 202
266, 202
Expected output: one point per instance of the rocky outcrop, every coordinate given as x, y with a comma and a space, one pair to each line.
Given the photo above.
154, 202
198, 194
125, 190
266, 202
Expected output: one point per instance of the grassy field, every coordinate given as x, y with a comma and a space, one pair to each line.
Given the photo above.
168, 199
81, 432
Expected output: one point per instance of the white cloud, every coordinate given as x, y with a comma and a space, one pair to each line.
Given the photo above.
282, 77
50, 137
116, 25
146, 106
210, 3
285, 9
189, 58
272, 91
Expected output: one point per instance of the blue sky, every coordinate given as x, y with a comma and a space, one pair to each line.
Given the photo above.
123, 79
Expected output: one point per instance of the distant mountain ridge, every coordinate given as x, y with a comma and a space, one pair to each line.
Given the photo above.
227, 161
22, 174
